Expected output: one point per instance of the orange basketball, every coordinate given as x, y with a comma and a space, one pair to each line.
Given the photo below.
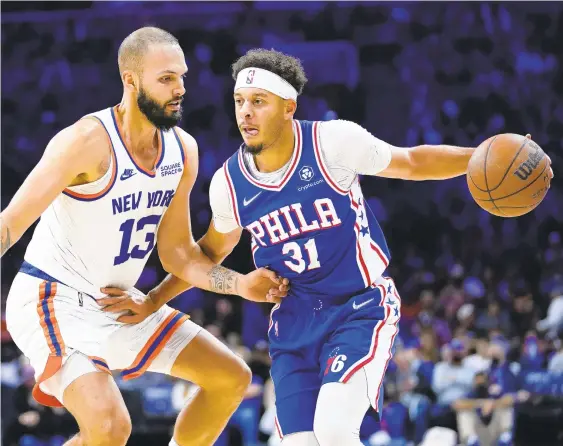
508, 175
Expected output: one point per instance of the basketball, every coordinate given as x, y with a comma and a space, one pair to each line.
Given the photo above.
508, 175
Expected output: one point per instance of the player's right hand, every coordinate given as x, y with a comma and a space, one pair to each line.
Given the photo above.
263, 285
529, 136
135, 308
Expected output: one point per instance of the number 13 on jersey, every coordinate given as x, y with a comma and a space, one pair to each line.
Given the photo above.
145, 226
298, 263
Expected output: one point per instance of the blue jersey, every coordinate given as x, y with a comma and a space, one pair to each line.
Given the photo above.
324, 239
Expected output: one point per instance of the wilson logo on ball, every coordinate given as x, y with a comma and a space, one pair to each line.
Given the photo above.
527, 167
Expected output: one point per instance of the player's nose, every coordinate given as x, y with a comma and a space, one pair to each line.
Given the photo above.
179, 91
245, 110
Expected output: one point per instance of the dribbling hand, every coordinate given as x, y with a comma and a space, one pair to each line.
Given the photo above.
136, 308
548, 160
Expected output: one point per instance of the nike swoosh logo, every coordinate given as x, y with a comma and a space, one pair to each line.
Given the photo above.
246, 202
126, 176
357, 307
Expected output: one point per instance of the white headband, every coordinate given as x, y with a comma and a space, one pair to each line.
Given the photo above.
266, 80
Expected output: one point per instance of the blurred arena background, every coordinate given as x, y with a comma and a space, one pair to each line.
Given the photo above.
485, 289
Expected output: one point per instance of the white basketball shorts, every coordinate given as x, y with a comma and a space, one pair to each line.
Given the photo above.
57, 327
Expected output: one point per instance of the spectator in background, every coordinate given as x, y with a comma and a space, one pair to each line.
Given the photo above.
224, 316
10, 365
553, 256
430, 318
466, 317
480, 360
486, 415
451, 381
524, 313
428, 354
493, 318
554, 320
37, 424
439, 436
452, 296
478, 421
416, 388
532, 356
556, 361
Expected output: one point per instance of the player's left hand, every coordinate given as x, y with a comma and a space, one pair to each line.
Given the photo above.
136, 308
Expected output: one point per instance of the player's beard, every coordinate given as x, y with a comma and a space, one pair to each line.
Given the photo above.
255, 149
156, 113
258, 148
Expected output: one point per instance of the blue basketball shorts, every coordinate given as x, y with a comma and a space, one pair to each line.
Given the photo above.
312, 344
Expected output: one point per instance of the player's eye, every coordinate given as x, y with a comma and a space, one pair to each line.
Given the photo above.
166, 79
258, 101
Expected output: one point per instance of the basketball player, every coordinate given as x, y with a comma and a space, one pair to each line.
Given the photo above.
294, 186
107, 188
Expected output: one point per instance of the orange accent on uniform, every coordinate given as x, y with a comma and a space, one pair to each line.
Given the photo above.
158, 349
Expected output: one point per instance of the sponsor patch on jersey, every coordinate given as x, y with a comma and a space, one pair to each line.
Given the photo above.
170, 169
311, 184
306, 173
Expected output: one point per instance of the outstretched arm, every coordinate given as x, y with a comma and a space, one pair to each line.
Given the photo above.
351, 150
430, 162
427, 162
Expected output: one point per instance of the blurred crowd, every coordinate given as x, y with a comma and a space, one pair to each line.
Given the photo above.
480, 347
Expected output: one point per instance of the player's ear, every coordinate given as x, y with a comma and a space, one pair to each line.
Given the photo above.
290, 107
130, 80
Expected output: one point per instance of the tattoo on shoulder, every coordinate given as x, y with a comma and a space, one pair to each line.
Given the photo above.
222, 280
6, 241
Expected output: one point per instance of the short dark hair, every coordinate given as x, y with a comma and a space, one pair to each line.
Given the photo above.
287, 67
136, 44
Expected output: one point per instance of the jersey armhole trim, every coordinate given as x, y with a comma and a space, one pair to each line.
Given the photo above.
96, 196
232, 193
183, 152
319, 156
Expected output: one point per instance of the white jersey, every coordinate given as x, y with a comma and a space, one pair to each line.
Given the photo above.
101, 234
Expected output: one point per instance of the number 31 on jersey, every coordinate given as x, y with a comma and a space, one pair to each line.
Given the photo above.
298, 262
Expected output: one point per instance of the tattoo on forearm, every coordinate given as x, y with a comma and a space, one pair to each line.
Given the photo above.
222, 280
6, 241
